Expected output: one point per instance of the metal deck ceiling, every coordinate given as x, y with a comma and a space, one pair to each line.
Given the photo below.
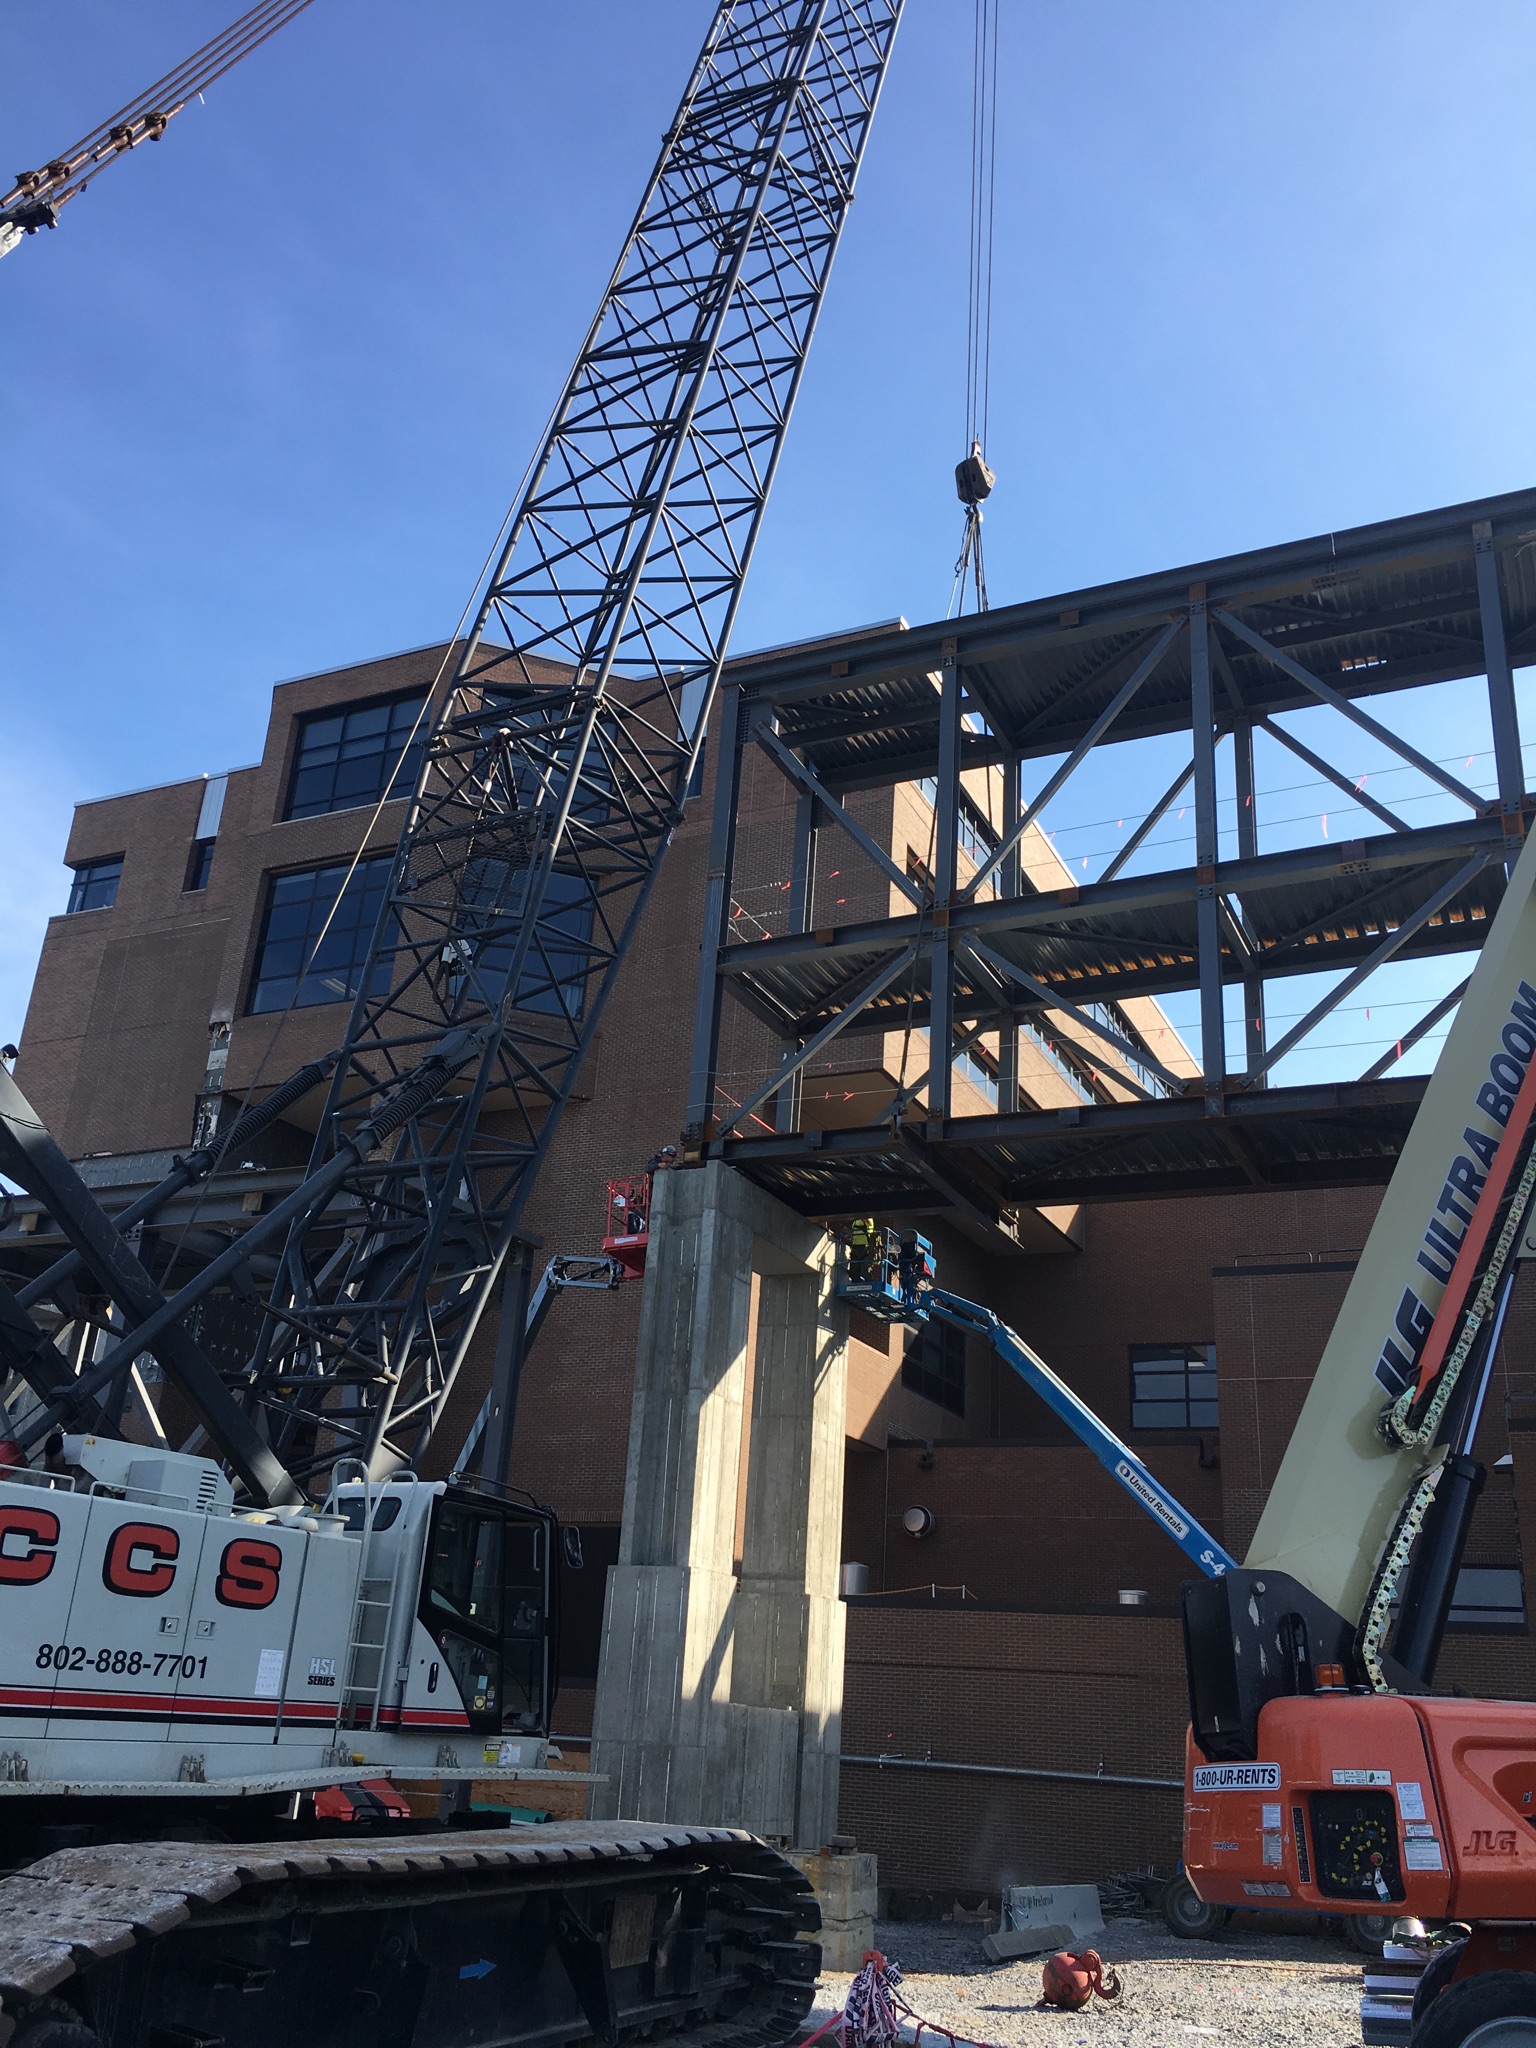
1342, 1135
1372, 610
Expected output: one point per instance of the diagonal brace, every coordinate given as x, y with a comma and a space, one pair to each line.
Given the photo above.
1089, 740
1391, 944
797, 772
1054, 1001
1331, 774
1410, 1039
1149, 823
1346, 709
878, 983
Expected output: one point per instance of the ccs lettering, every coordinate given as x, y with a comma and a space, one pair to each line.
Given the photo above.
140, 1559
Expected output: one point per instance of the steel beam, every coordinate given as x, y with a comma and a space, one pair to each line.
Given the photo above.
998, 916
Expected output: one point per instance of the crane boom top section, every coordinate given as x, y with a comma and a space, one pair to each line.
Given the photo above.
1342, 1483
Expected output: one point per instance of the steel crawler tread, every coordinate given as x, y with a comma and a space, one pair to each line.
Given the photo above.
541, 1936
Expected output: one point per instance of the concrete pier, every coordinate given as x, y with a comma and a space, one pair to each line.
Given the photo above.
719, 1694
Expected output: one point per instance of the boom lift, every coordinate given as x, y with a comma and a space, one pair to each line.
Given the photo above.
1322, 1771
189, 1644
890, 1274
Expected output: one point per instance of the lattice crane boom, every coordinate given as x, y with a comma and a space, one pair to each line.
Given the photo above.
556, 769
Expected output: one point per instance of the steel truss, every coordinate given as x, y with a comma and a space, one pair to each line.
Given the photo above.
557, 769
1216, 651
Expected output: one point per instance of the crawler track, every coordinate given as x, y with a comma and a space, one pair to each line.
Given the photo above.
536, 1937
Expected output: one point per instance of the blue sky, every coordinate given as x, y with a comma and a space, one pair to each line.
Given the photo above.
1262, 271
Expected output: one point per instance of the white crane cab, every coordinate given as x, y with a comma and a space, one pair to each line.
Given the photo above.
156, 1638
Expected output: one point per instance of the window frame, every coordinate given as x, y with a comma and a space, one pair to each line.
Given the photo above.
387, 785
1187, 1357
199, 866
380, 864
83, 872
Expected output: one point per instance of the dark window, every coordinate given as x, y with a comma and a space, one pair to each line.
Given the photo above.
1173, 1386
353, 756
554, 977
385, 1514
294, 963
95, 884
199, 864
934, 1365
581, 1604
1488, 1596
486, 1601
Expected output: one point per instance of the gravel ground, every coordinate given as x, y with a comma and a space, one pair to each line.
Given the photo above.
1257, 1990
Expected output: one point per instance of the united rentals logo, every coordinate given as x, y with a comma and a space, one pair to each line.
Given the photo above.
1149, 1496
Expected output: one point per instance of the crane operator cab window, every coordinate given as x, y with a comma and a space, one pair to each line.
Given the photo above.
486, 1604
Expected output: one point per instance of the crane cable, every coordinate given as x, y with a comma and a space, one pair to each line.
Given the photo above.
35, 198
973, 479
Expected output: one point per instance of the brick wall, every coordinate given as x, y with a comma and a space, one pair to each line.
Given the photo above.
1076, 1693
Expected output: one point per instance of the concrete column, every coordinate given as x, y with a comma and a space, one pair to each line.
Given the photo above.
719, 1697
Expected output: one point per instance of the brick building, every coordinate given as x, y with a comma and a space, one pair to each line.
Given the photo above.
216, 932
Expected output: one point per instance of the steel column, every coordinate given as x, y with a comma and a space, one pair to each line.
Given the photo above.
802, 892
1010, 883
1213, 1032
1507, 757
715, 927
946, 842
1247, 849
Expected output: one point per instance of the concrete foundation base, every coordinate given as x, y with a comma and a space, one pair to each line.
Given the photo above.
847, 1891
719, 1693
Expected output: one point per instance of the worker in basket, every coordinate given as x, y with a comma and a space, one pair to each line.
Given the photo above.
863, 1249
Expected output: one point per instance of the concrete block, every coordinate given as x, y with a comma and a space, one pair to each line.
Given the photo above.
1027, 1908
844, 1943
1009, 1943
846, 1882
